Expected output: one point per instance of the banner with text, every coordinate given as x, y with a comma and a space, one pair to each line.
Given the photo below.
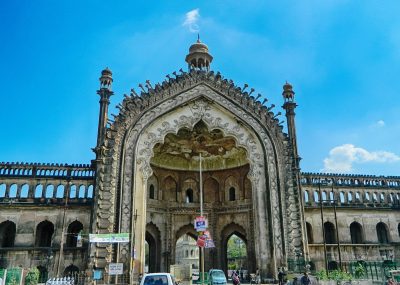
109, 238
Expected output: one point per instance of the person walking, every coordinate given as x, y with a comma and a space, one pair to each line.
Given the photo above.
258, 279
235, 278
281, 276
305, 280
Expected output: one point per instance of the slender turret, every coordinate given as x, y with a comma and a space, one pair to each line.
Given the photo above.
199, 58
105, 93
289, 106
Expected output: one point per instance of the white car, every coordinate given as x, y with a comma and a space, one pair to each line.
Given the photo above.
158, 279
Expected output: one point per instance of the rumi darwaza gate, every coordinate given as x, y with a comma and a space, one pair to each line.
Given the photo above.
145, 181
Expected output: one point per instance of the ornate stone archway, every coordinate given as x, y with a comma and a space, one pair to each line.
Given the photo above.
128, 167
196, 105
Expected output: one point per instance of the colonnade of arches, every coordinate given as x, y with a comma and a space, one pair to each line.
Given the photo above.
43, 234
49, 190
352, 197
356, 231
350, 180
213, 190
184, 248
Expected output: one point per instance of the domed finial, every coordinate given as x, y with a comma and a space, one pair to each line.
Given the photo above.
106, 79
288, 93
199, 57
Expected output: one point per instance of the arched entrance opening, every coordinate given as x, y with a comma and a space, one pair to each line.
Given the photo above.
237, 255
187, 252
152, 260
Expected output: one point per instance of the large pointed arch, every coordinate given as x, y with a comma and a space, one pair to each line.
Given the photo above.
226, 233
140, 126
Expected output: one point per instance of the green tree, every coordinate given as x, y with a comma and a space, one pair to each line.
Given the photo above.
32, 278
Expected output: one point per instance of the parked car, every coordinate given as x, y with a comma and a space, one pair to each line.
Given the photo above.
158, 279
216, 277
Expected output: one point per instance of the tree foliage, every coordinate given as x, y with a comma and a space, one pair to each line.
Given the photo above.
32, 278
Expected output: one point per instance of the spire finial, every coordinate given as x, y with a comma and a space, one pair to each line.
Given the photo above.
198, 37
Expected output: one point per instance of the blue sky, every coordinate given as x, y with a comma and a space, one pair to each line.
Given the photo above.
342, 57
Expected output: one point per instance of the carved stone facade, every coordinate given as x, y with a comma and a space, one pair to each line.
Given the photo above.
270, 212
146, 181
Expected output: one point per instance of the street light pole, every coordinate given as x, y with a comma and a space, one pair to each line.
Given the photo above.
322, 222
201, 214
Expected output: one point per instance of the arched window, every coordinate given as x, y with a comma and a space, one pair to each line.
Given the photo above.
310, 236
316, 197
330, 233
382, 233
82, 191
72, 233
306, 198
349, 197
13, 191
72, 191
189, 196
367, 199
60, 191
49, 191
341, 197
7, 234
356, 233
332, 196
186, 253
324, 196
24, 191
44, 234
39, 191
232, 194
90, 191
382, 198
357, 197
151, 192
3, 188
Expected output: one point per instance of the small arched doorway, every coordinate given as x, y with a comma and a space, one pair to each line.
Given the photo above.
152, 260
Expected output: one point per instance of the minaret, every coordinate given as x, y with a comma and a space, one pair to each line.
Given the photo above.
198, 57
289, 106
105, 93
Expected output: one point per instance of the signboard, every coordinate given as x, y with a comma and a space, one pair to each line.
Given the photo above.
200, 224
201, 241
109, 238
97, 275
115, 268
209, 242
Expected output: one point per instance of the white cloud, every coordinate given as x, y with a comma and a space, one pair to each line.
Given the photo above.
342, 158
380, 123
191, 19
